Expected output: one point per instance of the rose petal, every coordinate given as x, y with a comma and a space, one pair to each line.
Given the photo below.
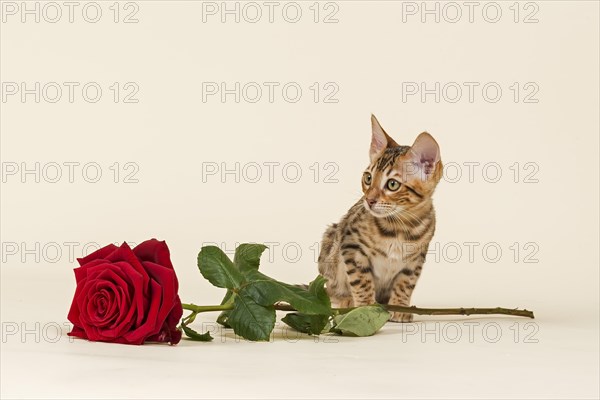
154, 251
98, 254
166, 335
105, 304
149, 326
167, 280
127, 296
176, 312
131, 310
171, 310
136, 308
116, 275
169, 332
124, 253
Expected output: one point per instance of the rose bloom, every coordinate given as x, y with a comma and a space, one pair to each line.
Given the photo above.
127, 296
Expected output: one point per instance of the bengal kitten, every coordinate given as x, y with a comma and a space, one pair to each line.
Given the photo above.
376, 252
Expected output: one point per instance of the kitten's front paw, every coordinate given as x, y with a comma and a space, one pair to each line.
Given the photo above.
396, 316
345, 302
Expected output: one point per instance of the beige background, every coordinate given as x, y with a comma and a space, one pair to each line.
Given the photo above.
170, 132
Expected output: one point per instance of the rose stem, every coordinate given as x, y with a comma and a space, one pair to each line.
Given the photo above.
409, 310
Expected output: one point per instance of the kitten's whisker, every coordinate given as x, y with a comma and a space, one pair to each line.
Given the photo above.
416, 219
393, 219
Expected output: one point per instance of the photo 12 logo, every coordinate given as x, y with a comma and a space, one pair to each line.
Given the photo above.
470, 332
269, 92
51, 252
69, 172
253, 12
465, 252
269, 172
453, 12
35, 332
53, 12
490, 172
69, 92
469, 92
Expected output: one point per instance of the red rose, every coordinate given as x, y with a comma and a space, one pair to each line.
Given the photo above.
127, 296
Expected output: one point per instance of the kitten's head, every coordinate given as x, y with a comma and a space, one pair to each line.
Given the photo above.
399, 177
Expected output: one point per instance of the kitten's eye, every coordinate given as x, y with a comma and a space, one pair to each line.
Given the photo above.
367, 178
393, 185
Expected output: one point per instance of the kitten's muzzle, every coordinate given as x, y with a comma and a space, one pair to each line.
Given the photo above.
371, 202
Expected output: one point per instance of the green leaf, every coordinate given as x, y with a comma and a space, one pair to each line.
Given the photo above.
267, 291
251, 320
218, 269
317, 287
311, 324
193, 335
251, 275
361, 321
247, 256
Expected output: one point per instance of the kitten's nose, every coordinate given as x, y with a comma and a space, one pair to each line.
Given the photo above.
371, 202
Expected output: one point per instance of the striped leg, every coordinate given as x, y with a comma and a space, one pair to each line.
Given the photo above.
402, 291
360, 274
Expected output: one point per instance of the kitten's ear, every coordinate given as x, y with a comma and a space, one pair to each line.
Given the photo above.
379, 139
425, 154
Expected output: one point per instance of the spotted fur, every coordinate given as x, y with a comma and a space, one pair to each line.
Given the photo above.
377, 251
